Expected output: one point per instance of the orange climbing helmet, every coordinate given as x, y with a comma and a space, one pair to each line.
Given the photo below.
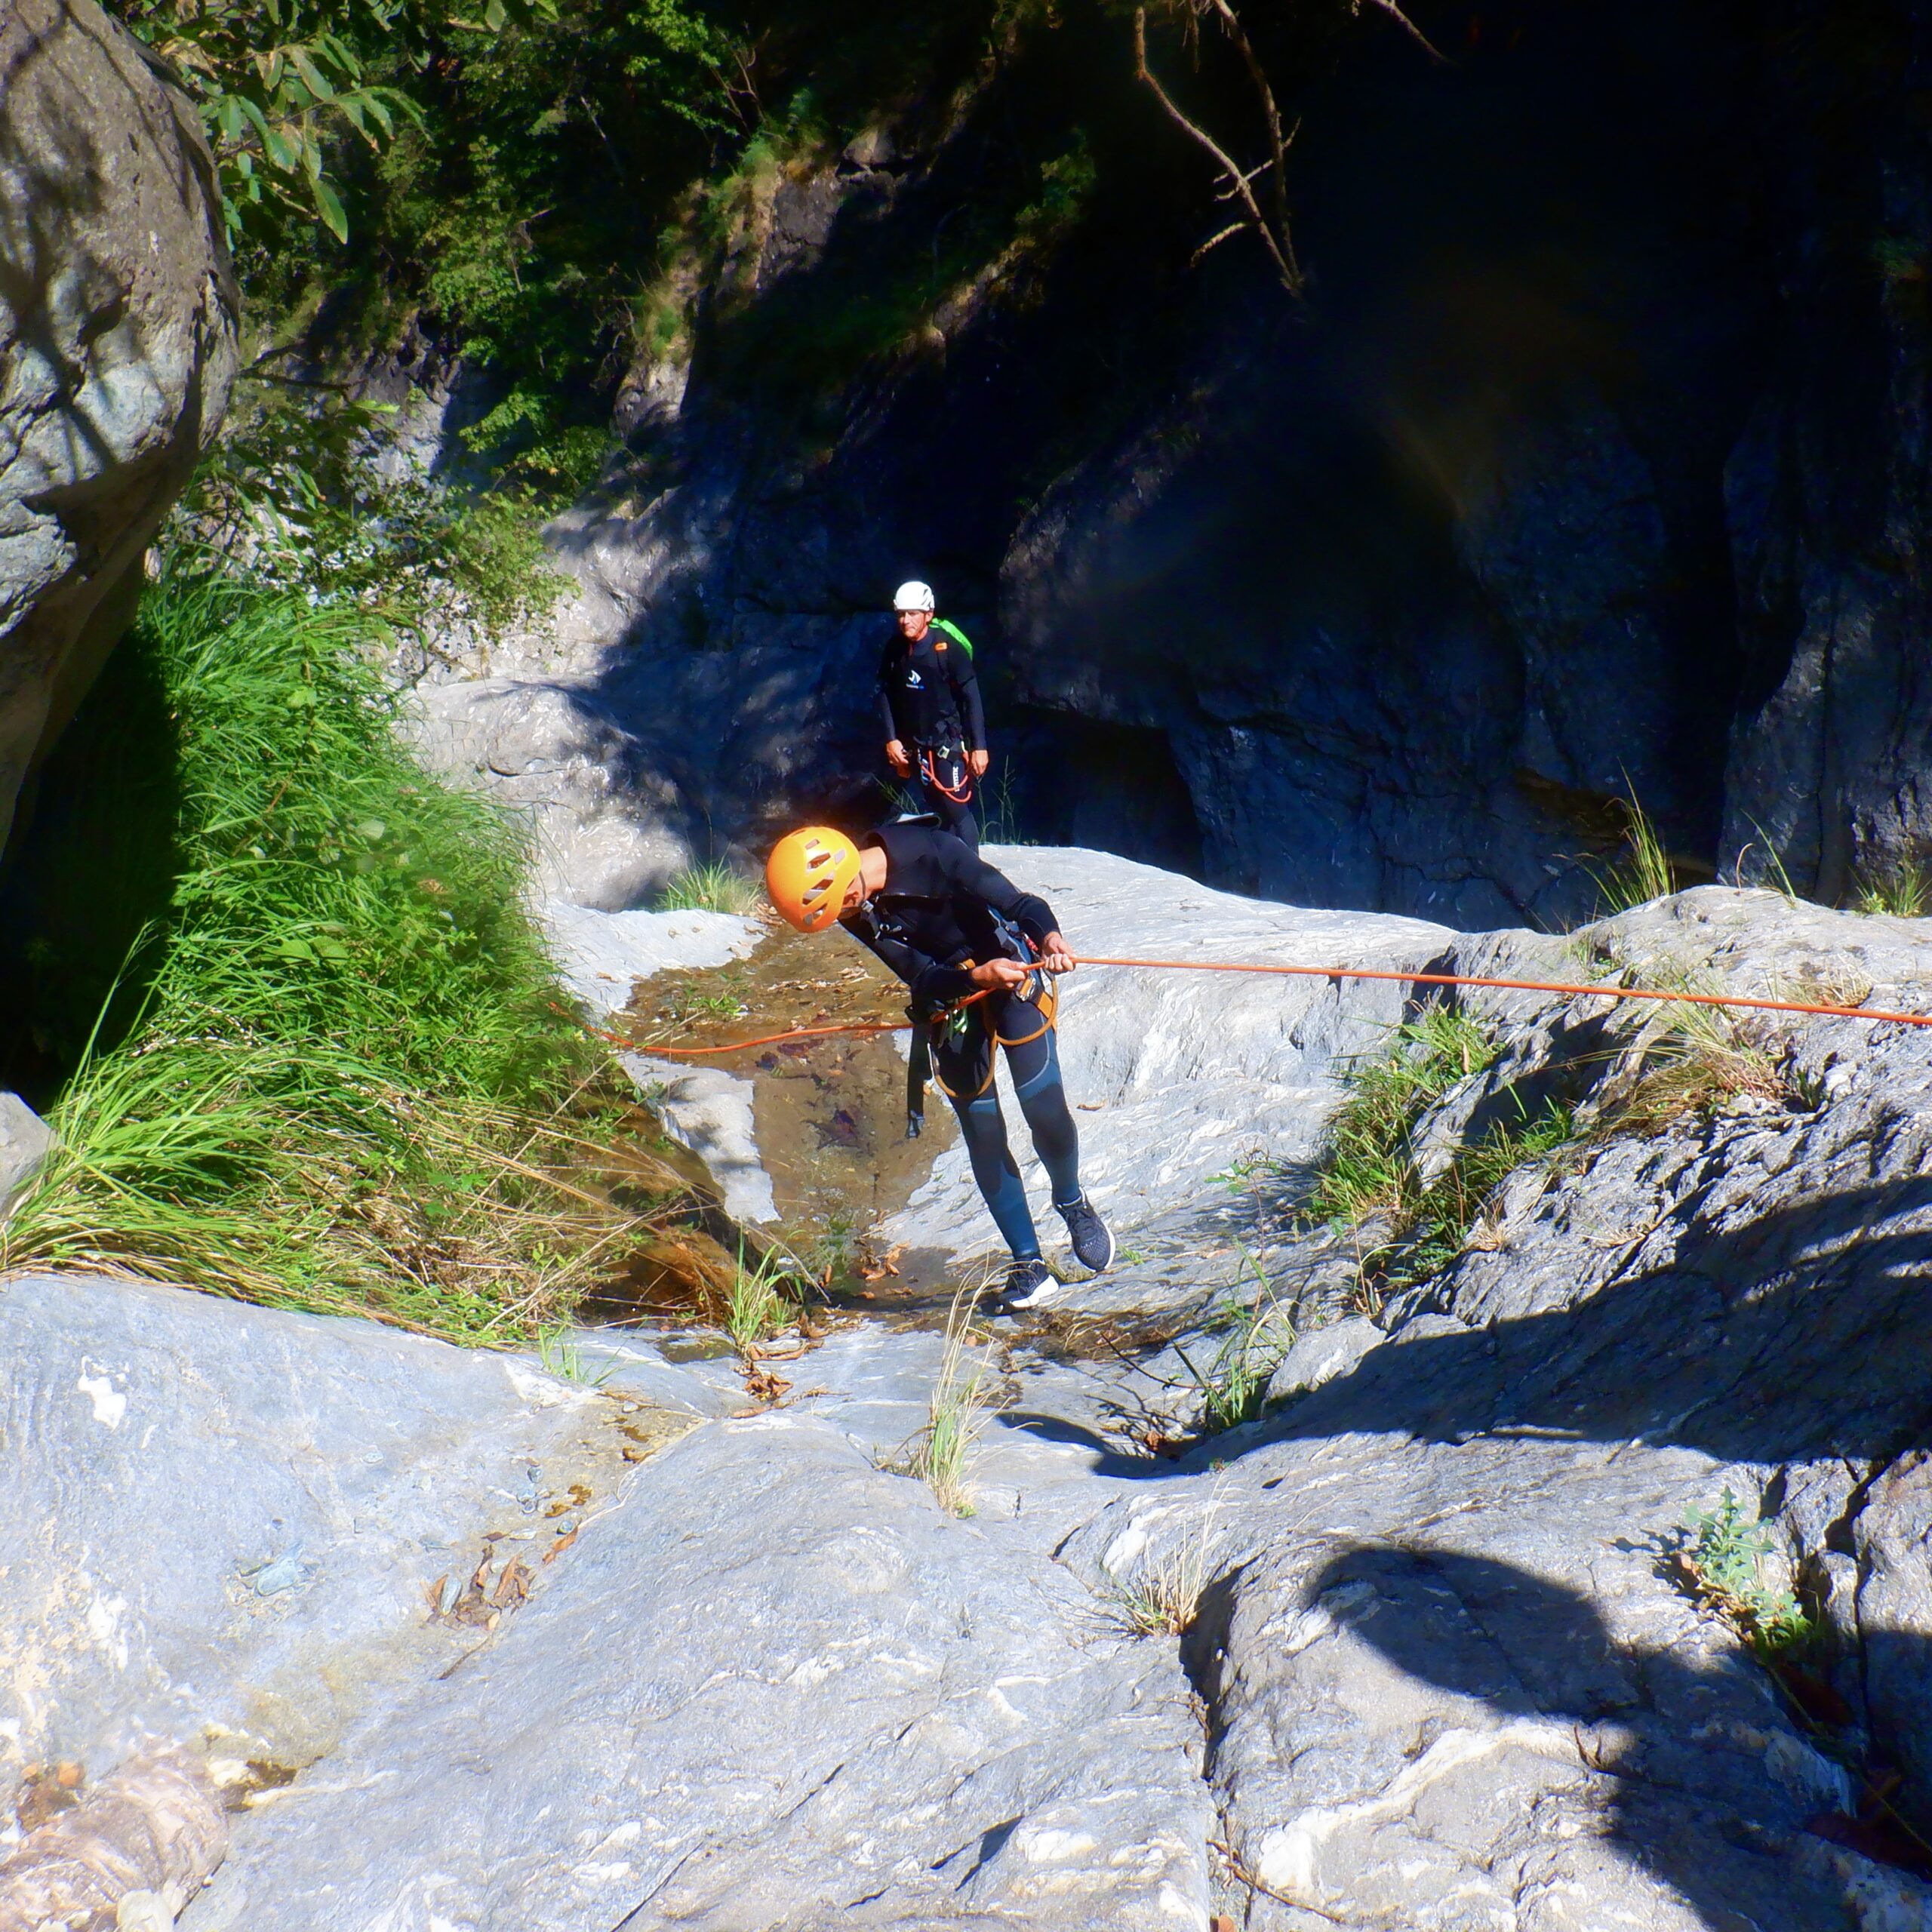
808, 874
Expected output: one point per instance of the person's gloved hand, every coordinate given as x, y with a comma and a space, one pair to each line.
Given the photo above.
895, 756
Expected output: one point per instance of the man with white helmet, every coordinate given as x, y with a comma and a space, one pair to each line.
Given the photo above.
929, 699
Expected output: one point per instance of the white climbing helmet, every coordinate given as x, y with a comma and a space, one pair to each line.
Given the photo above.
913, 596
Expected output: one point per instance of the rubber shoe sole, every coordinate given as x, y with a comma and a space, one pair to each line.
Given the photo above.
1028, 1284
1092, 1240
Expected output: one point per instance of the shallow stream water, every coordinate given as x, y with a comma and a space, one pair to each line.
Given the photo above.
828, 1113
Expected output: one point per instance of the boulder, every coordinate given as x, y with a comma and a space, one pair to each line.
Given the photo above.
774, 1686
117, 318
231, 1515
25, 1140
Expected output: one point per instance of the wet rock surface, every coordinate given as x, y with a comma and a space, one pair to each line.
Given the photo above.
1438, 1667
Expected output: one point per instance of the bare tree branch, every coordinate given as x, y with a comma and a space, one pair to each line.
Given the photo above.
1240, 185
1277, 142
1409, 27
1215, 240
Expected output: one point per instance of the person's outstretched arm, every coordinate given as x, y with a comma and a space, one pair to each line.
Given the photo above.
967, 870
895, 748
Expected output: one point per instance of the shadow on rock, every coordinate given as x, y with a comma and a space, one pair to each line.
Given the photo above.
1799, 1334
1498, 1738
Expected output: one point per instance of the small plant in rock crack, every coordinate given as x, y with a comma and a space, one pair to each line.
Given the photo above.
1161, 1596
1720, 1564
1903, 890
1365, 1169
561, 1355
1257, 1334
756, 1306
1367, 1182
1643, 873
1697, 1059
943, 1451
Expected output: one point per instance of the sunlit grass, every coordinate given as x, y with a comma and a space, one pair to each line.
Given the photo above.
353, 1085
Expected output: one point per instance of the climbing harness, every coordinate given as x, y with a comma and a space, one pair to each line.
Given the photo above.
929, 755
930, 1034
1336, 975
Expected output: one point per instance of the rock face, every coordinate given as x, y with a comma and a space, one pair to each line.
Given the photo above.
24, 1139
117, 342
1540, 500
1439, 1667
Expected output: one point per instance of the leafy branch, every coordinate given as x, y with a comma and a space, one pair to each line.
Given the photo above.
275, 81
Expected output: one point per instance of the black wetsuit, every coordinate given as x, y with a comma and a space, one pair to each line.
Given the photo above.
929, 700
943, 907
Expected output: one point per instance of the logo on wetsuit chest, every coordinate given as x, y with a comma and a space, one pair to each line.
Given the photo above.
914, 682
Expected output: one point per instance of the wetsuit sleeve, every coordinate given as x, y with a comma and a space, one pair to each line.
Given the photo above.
886, 718
969, 872
966, 695
931, 985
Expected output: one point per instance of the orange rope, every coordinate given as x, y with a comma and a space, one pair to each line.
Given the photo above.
1526, 986
1335, 973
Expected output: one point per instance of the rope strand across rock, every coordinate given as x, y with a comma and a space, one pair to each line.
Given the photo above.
1337, 974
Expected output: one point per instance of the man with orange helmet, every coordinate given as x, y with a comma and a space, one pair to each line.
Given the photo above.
951, 927
929, 700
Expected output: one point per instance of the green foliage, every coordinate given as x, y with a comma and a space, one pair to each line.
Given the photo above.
756, 1306
293, 492
1256, 1335
1902, 891
1365, 1168
943, 1455
1721, 1562
277, 82
717, 888
1067, 183
343, 1091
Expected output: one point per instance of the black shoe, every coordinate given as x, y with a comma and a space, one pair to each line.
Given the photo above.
1092, 1244
1028, 1283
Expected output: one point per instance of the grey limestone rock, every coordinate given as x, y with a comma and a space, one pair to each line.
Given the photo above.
230, 1515
773, 1687
117, 349
602, 956
25, 1140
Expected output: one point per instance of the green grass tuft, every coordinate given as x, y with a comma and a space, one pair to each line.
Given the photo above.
943, 1454
1643, 873
717, 888
348, 1082
756, 1306
1367, 1178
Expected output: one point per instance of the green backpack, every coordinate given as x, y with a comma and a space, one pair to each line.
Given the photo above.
958, 636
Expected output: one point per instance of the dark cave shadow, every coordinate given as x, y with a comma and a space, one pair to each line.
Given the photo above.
87, 879
1701, 1818
1802, 1334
